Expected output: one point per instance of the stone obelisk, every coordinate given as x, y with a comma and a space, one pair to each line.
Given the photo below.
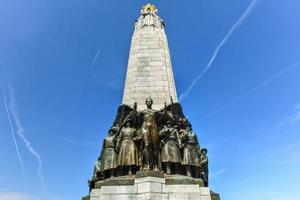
151, 151
149, 71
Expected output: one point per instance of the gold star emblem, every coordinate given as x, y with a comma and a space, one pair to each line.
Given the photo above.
149, 8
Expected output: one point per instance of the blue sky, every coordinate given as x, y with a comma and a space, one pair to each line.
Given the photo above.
245, 109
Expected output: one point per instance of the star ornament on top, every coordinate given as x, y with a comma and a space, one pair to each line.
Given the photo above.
148, 8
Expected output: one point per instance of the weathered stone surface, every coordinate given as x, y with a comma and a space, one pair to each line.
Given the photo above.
149, 67
178, 179
154, 188
115, 181
141, 174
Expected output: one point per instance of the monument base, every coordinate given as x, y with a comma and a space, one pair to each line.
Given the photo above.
142, 187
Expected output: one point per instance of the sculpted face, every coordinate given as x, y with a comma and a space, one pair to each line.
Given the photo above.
169, 124
204, 151
188, 128
149, 102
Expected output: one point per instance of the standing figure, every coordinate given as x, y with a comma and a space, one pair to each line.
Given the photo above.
96, 174
150, 135
170, 153
146, 150
204, 166
128, 153
191, 151
109, 156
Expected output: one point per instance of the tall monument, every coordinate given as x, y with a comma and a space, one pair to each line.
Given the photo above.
149, 72
151, 150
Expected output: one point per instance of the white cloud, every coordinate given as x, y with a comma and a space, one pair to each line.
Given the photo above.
15, 141
13, 112
237, 24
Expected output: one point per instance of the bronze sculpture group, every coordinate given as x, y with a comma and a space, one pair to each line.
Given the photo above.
151, 140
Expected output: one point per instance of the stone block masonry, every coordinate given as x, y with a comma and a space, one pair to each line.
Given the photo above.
151, 188
149, 71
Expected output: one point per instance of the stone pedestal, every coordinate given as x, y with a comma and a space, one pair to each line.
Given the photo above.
149, 187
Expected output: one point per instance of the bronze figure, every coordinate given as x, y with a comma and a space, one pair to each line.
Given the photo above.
96, 173
191, 151
128, 153
170, 153
146, 140
109, 156
150, 135
204, 166
146, 158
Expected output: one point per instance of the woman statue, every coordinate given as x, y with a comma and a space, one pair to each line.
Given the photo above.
170, 154
191, 151
128, 153
109, 156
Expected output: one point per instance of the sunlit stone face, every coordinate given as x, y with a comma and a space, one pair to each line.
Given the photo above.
149, 71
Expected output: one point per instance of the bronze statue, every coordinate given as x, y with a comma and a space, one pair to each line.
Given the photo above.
170, 153
191, 151
150, 135
139, 141
96, 174
204, 166
146, 158
109, 156
97, 167
127, 153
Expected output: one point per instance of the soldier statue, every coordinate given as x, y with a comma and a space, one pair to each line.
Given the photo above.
204, 166
96, 174
170, 153
191, 151
135, 143
126, 147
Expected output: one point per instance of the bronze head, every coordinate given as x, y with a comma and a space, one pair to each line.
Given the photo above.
149, 102
189, 126
169, 124
204, 151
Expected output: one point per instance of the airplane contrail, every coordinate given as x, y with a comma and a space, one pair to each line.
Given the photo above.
94, 61
238, 23
14, 140
91, 67
252, 90
13, 111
